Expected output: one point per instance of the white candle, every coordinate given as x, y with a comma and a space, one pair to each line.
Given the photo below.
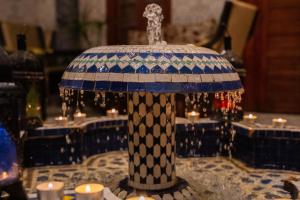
140, 198
50, 191
279, 122
79, 117
112, 113
193, 116
3, 176
89, 192
250, 119
61, 121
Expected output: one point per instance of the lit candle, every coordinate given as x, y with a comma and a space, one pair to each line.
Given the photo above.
193, 115
250, 119
112, 113
89, 192
50, 191
79, 117
3, 176
61, 121
279, 122
140, 198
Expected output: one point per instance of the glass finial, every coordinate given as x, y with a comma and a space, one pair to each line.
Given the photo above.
153, 13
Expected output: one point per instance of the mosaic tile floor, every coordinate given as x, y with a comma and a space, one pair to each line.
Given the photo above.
207, 178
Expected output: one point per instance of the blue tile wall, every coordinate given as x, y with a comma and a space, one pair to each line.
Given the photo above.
277, 149
264, 148
70, 145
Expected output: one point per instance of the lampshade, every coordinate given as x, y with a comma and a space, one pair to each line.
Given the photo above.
151, 68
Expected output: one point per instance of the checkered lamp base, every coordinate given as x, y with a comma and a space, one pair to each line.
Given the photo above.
151, 140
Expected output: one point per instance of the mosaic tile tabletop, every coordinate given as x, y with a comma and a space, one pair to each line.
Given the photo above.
207, 177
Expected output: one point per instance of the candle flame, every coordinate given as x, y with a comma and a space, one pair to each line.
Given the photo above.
4, 175
50, 186
88, 188
250, 115
142, 198
113, 110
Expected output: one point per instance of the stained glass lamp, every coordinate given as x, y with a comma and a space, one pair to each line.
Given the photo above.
151, 75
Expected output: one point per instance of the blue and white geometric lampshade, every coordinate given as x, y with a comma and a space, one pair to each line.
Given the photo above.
151, 68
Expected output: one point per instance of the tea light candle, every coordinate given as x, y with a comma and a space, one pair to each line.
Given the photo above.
250, 119
140, 198
50, 191
279, 122
193, 115
61, 121
112, 113
79, 117
89, 192
3, 176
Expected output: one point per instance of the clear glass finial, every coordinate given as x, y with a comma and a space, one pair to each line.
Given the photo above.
153, 13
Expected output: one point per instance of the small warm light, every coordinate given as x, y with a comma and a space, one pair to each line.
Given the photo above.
250, 118
61, 121
4, 175
279, 122
78, 114
193, 115
140, 198
50, 190
88, 188
79, 117
89, 191
112, 113
50, 186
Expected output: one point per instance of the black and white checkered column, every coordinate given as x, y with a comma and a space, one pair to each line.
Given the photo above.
151, 140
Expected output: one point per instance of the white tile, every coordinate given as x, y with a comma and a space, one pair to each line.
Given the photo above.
102, 76
129, 77
146, 78
179, 78
163, 77
206, 78
116, 77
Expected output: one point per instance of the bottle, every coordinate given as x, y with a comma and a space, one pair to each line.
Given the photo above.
28, 71
5, 67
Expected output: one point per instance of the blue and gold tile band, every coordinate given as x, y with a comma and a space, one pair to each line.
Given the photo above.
152, 68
